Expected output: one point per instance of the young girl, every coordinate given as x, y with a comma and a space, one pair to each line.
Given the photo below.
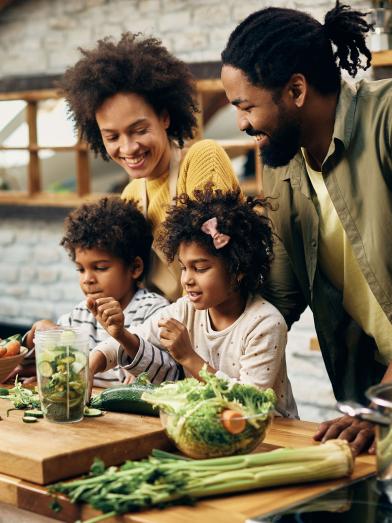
138, 111
224, 249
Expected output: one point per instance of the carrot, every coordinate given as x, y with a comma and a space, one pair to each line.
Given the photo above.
13, 348
3, 351
233, 421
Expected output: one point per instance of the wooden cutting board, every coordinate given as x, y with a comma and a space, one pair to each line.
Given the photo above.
46, 452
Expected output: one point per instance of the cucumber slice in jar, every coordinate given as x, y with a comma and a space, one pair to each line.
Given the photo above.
45, 369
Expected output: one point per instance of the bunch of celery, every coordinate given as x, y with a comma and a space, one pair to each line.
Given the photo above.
165, 479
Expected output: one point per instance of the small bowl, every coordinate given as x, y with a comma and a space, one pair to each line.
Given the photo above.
8, 363
237, 443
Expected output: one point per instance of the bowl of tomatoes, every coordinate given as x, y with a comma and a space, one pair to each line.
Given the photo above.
11, 355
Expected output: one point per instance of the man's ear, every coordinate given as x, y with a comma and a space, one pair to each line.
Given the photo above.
297, 89
137, 268
165, 119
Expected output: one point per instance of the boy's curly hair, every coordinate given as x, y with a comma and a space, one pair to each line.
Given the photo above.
113, 225
133, 65
249, 251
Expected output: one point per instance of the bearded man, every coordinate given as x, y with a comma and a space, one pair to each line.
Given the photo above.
326, 145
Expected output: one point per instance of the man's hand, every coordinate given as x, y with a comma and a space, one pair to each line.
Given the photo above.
359, 434
109, 313
175, 338
43, 325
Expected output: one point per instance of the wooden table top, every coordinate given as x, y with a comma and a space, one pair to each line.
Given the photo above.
222, 509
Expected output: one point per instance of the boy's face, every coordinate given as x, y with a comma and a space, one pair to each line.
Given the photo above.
102, 275
205, 278
134, 135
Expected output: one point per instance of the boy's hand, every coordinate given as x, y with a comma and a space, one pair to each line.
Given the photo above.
44, 325
109, 313
97, 363
175, 338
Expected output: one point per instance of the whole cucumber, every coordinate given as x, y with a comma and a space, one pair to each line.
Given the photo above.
124, 398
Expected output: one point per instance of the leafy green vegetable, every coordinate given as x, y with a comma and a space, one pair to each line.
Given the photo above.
21, 397
192, 414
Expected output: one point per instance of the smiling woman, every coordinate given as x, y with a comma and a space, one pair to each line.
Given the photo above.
138, 112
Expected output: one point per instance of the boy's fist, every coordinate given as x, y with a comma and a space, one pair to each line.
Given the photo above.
109, 313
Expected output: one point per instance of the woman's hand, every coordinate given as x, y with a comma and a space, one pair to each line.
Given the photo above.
359, 434
109, 314
175, 339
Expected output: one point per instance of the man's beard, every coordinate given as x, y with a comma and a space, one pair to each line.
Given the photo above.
283, 144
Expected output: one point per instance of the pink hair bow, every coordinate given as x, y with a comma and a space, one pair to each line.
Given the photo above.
211, 227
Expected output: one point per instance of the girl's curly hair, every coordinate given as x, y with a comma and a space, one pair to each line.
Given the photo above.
249, 251
113, 225
133, 65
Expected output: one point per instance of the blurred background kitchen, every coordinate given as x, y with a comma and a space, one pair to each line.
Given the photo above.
45, 170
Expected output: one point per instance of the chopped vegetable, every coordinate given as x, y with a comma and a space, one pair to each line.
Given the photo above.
126, 398
192, 414
62, 377
36, 413
164, 479
92, 413
233, 421
29, 419
13, 348
10, 346
21, 397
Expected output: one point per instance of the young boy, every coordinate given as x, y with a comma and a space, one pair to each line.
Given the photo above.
110, 243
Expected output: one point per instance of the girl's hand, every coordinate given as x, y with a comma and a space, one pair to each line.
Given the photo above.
109, 313
175, 339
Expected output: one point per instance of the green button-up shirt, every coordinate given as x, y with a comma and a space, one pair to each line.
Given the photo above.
358, 175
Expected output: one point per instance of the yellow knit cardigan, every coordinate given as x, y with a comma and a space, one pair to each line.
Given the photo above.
205, 161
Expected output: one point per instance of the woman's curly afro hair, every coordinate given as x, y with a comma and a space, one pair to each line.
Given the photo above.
133, 65
249, 251
112, 225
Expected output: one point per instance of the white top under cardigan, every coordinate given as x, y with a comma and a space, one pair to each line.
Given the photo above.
251, 350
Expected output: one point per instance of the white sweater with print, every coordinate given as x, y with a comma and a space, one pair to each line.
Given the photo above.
251, 350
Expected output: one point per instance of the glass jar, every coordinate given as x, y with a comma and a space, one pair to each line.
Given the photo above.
62, 372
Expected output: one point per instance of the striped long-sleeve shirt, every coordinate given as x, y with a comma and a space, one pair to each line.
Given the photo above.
142, 306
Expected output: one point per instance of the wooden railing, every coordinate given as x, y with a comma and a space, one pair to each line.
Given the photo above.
209, 91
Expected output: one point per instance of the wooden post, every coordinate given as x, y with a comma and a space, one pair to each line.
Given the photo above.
34, 176
83, 175
258, 172
199, 118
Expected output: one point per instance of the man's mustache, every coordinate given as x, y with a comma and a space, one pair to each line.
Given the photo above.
253, 132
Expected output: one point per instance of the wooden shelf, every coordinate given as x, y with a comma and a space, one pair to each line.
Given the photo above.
382, 58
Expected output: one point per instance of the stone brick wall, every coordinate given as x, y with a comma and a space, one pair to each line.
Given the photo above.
37, 279
42, 36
